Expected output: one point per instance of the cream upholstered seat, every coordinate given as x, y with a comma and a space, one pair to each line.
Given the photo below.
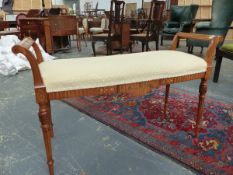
83, 73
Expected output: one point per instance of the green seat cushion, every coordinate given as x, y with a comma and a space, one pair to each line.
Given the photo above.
227, 47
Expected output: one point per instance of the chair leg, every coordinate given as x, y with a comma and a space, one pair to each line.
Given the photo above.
147, 46
202, 93
78, 42
107, 48
161, 40
46, 130
166, 98
157, 44
93, 47
130, 47
84, 38
143, 45
217, 67
201, 50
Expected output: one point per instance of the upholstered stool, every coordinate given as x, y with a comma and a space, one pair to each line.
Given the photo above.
225, 51
134, 74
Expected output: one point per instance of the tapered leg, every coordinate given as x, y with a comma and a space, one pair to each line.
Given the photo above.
50, 120
93, 48
45, 125
202, 93
166, 98
217, 68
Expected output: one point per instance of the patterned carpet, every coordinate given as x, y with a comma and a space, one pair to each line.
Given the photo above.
142, 119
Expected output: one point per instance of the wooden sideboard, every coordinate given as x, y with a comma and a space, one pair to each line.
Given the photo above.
41, 28
37, 28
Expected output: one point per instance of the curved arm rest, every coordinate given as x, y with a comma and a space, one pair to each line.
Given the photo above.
214, 41
23, 48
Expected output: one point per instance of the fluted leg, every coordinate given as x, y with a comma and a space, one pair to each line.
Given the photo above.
202, 93
50, 120
166, 98
46, 130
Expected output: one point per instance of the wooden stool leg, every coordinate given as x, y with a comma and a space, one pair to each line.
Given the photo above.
202, 93
166, 98
45, 125
50, 120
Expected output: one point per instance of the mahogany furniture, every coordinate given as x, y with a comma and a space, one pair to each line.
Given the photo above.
52, 32
153, 26
65, 78
61, 27
35, 28
115, 28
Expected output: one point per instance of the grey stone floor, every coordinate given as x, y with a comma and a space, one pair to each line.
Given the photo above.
81, 144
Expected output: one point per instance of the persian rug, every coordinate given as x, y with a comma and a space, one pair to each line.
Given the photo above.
142, 119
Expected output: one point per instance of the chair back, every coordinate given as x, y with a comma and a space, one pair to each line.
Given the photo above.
194, 9
116, 18
222, 14
181, 13
155, 20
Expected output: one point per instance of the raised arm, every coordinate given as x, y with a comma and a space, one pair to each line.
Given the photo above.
214, 41
34, 60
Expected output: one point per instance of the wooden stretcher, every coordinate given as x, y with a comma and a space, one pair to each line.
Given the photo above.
135, 74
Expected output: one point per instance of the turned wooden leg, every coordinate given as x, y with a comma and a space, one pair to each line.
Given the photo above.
202, 93
166, 98
50, 120
46, 130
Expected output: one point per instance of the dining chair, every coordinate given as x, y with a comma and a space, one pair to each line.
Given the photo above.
153, 26
115, 28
